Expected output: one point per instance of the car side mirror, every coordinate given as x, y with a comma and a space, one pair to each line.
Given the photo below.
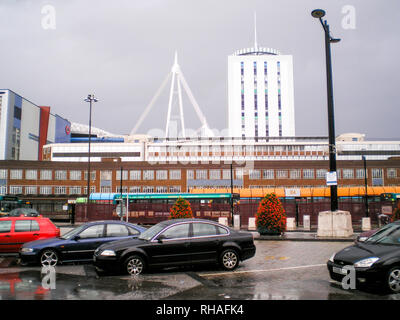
161, 238
76, 238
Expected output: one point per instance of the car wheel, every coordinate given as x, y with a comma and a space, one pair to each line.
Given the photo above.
49, 258
229, 259
134, 265
393, 280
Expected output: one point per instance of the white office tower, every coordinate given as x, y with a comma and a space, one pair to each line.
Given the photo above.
260, 93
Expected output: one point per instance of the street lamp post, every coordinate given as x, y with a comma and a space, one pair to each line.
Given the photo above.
366, 186
90, 98
318, 13
120, 189
232, 193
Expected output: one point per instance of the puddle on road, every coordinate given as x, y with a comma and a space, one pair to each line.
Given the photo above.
34, 285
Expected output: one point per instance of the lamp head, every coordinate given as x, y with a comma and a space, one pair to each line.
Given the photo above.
318, 13
91, 97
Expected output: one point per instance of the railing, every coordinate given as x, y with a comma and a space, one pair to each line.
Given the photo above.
148, 213
151, 213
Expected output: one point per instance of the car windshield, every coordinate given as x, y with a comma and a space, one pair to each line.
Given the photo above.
150, 233
72, 233
390, 234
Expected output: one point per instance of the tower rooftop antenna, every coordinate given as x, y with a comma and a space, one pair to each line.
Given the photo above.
255, 32
256, 49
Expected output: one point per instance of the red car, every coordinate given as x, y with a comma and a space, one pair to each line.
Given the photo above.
15, 231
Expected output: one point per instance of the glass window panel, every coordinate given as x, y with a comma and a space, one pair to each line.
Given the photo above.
177, 232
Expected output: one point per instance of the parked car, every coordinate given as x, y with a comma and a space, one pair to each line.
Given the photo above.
26, 212
365, 235
15, 231
177, 242
77, 244
376, 260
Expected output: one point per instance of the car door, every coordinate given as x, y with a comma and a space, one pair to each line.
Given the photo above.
205, 242
25, 231
7, 243
171, 247
85, 243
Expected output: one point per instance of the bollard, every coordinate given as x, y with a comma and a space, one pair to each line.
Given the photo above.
236, 222
252, 224
290, 224
306, 222
366, 224
223, 220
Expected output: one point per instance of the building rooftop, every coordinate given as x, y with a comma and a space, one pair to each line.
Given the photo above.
256, 51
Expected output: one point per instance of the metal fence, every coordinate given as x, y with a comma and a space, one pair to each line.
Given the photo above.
300, 209
151, 213
148, 213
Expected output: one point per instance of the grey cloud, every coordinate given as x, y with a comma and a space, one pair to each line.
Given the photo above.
122, 51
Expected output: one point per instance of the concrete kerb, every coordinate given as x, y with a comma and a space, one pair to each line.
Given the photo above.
302, 236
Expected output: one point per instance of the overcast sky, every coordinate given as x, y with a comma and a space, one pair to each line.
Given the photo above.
122, 51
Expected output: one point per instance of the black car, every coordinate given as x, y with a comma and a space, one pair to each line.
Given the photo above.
78, 244
375, 261
177, 242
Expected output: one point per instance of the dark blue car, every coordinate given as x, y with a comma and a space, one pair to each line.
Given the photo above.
78, 244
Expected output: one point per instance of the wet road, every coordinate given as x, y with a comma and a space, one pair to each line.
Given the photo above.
281, 270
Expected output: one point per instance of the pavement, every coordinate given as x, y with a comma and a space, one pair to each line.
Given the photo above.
293, 235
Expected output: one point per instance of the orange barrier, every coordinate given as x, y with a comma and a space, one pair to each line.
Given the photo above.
304, 192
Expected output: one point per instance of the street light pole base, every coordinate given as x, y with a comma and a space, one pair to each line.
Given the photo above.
335, 224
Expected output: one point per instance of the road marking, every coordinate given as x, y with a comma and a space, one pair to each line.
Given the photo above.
278, 258
264, 270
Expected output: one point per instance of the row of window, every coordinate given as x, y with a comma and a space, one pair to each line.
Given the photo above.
201, 174
377, 173
77, 190
148, 189
46, 174
47, 190
212, 174
205, 150
145, 175
17, 174
266, 99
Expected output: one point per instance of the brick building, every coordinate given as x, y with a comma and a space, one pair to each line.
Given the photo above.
50, 185
68, 180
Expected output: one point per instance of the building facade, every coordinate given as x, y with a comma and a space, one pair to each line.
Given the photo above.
50, 185
41, 179
260, 94
223, 150
26, 127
